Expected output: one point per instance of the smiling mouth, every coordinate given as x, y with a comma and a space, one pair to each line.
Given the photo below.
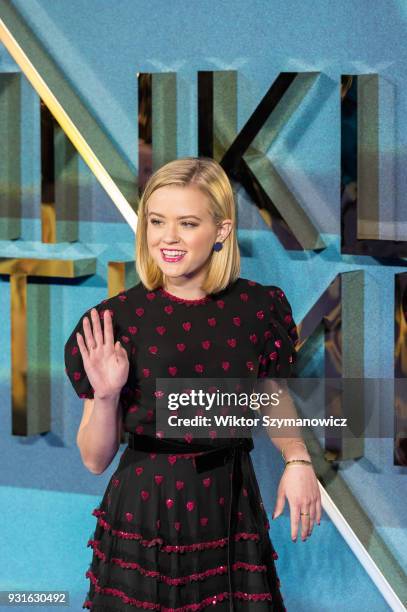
172, 255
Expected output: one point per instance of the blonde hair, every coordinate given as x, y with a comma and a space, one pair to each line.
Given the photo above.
208, 176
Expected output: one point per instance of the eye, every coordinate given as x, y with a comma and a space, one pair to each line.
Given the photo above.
186, 223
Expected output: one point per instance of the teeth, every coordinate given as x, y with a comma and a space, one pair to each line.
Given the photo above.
173, 253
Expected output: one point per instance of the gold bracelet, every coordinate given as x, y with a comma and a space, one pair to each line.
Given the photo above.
298, 461
292, 442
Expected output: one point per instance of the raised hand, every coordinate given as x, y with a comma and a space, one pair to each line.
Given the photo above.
106, 363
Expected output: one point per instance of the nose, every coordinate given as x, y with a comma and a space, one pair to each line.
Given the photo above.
170, 235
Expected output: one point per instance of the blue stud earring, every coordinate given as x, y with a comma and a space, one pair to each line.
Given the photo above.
218, 246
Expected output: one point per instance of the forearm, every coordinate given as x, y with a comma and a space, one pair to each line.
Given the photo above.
98, 441
285, 436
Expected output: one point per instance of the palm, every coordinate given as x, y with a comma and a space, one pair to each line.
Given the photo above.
106, 364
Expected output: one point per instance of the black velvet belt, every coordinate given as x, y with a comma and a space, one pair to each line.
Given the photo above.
211, 457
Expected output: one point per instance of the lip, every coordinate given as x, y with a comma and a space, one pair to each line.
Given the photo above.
172, 259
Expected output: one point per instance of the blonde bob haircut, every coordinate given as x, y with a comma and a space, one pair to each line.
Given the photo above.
206, 174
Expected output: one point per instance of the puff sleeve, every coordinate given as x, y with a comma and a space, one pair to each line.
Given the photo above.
74, 368
279, 352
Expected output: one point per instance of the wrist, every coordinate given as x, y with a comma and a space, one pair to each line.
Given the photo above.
297, 452
106, 397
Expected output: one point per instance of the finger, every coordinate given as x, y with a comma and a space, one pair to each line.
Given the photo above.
97, 328
108, 328
318, 510
295, 519
82, 346
120, 350
312, 512
304, 523
279, 507
87, 332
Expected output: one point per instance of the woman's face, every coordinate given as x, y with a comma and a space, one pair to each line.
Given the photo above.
179, 219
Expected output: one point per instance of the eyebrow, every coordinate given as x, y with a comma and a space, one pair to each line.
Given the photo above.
183, 217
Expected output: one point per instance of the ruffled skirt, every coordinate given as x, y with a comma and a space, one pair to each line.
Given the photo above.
161, 540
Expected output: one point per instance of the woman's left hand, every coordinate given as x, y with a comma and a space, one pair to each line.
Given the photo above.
299, 485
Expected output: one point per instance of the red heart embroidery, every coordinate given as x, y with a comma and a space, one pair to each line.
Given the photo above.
153, 455
133, 330
273, 355
139, 429
125, 339
122, 297
168, 309
244, 297
232, 342
153, 349
222, 501
251, 283
144, 495
161, 329
179, 484
181, 347
277, 343
253, 338
177, 525
203, 520
250, 365
267, 334
74, 350
190, 506
172, 370
139, 312
172, 459
212, 321
225, 365
129, 516
206, 482
77, 375
150, 296
146, 372
206, 344
116, 482
236, 321
150, 414
220, 303
187, 326
188, 438
260, 314
139, 470
169, 502
199, 367
159, 434
159, 393
158, 478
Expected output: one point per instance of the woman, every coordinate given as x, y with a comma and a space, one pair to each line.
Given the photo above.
181, 525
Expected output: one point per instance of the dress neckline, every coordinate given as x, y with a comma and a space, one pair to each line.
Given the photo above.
174, 298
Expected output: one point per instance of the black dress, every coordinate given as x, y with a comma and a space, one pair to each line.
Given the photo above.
167, 536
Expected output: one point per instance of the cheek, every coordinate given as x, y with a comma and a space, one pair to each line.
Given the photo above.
199, 240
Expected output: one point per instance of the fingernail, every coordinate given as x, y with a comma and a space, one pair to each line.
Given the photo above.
294, 539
